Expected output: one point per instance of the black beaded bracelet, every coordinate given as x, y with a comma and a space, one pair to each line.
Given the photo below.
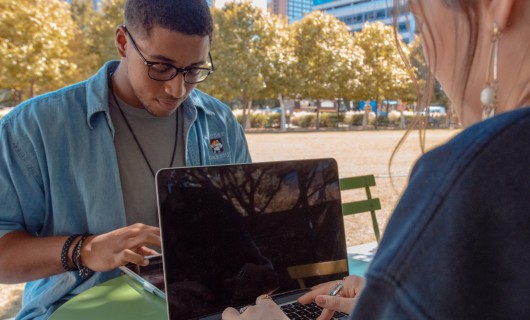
64, 252
84, 271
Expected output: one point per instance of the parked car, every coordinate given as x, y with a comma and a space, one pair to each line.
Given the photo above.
436, 115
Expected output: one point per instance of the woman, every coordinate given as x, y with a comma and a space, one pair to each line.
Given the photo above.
458, 243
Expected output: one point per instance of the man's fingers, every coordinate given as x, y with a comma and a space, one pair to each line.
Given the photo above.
308, 297
319, 289
335, 303
142, 240
145, 251
133, 257
230, 314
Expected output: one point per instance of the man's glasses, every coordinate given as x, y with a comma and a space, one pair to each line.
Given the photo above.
160, 71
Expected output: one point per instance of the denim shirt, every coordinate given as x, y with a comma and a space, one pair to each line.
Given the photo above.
59, 171
458, 243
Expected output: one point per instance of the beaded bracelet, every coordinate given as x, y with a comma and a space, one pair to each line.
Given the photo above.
64, 252
84, 271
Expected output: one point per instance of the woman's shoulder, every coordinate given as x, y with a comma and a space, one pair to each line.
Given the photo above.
465, 199
480, 168
494, 137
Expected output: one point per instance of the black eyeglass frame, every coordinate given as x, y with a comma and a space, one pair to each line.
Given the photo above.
184, 71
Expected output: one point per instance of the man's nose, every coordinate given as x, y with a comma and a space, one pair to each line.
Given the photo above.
176, 87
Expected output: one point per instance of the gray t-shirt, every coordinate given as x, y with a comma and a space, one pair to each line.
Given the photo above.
156, 136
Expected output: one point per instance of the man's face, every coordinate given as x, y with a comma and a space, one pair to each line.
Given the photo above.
162, 98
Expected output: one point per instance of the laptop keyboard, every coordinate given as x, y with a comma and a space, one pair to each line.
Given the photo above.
297, 311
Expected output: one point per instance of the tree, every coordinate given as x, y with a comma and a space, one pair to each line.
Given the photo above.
325, 57
278, 62
239, 52
96, 45
383, 72
35, 47
83, 15
435, 94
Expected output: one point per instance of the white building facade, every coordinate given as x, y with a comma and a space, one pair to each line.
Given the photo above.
354, 13
294, 10
262, 4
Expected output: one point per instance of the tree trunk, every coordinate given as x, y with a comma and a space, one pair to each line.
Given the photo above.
17, 97
249, 108
246, 105
317, 124
283, 124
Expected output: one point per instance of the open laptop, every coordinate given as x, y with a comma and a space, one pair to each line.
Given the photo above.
233, 232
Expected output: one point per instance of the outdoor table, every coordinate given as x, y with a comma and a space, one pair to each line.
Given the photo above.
119, 298
124, 298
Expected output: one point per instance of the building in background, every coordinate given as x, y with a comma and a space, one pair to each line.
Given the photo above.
354, 13
262, 4
294, 10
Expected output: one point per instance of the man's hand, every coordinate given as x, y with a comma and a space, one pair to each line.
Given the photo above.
116, 248
344, 301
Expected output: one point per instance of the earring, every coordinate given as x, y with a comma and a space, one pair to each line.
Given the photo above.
488, 96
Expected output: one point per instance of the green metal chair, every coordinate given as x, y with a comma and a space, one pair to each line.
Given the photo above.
368, 205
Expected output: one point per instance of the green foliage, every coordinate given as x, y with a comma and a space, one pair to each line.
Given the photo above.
382, 121
383, 73
35, 46
326, 62
309, 120
97, 35
330, 120
242, 49
47, 44
258, 120
356, 119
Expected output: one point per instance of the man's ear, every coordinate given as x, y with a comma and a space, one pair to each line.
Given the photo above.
501, 12
121, 40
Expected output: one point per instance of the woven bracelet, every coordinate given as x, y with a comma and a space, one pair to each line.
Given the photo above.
84, 271
64, 252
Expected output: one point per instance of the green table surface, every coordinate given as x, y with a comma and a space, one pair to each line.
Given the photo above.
119, 298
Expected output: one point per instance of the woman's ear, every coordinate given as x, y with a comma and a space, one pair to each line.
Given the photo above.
501, 12
121, 41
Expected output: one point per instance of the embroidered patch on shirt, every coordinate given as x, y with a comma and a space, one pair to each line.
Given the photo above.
216, 145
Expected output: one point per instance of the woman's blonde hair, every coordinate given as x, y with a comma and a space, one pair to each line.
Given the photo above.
424, 80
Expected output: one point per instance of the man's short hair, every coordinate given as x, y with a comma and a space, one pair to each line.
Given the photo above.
190, 17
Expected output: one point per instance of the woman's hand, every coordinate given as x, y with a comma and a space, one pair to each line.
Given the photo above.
265, 309
116, 248
344, 301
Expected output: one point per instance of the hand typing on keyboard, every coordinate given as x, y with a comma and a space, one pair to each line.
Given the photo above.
345, 295
326, 301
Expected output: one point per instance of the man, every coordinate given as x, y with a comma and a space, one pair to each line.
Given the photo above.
77, 165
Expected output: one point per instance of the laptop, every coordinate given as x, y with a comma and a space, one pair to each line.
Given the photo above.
233, 232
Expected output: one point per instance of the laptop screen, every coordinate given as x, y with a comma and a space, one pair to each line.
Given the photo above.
233, 232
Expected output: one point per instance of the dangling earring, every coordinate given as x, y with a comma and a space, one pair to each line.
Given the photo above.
488, 96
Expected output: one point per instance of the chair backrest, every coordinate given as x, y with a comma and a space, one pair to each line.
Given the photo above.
368, 205
317, 269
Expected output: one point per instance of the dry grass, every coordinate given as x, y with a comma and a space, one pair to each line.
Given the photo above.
10, 300
356, 152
